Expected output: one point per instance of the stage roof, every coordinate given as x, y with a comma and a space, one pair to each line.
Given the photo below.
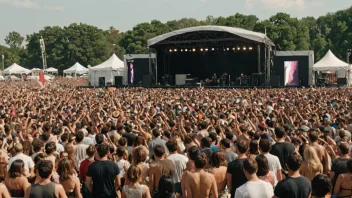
250, 35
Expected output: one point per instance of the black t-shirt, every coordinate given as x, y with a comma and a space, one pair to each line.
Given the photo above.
339, 166
290, 187
130, 138
282, 150
235, 168
103, 174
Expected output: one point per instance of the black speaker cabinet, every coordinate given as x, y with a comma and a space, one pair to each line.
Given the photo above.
101, 81
275, 81
342, 81
147, 80
118, 81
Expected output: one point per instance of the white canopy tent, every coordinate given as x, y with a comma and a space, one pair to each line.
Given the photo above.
108, 70
2, 78
35, 69
330, 63
76, 69
52, 70
16, 69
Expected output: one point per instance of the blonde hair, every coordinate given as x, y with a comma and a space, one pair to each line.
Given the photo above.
311, 159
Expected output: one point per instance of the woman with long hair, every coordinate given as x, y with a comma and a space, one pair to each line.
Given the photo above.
3, 171
67, 179
264, 173
16, 181
219, 170
311, 164
134, 189
166, 187
139, 158
343, 186
71, 156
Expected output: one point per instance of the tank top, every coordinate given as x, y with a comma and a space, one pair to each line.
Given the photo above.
135, 193
43, 191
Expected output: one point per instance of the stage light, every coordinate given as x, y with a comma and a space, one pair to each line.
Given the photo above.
194, 50
181, 50
250, 48
244, 48
206, 49
212, 49
238, 48
201, 49
227, 49
175, 50
170, 50
233, 49
186, 50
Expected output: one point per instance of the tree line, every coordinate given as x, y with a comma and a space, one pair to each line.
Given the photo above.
90, 45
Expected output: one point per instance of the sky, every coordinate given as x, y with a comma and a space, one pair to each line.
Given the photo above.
28, 16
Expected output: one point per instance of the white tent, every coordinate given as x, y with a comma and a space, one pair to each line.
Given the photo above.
330, 63
76, 69
107, 71
2, 78
52, 70
35, 69
16, 69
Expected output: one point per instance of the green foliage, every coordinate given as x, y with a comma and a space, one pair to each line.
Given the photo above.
14, 40
90, 45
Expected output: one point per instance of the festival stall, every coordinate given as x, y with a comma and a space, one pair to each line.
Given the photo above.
330, 68
76, 69
16, 69
108, 73
52, 70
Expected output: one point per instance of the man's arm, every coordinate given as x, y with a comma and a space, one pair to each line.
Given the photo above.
117, 182
60, 191
151, 180
28, 192
89, 183
279, 175
188, 187
214, 187
229, 181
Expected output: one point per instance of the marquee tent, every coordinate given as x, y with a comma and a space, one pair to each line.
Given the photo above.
35, 69
16, 69
330, 63
52, 70
76, 69
107, 71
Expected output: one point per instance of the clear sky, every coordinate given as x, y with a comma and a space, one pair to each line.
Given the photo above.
28, 16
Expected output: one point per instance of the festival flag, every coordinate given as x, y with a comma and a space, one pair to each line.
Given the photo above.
132, 73
41, 77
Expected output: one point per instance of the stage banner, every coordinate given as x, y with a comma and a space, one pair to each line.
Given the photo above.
132, 73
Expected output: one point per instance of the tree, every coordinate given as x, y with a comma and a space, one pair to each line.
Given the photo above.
14, 40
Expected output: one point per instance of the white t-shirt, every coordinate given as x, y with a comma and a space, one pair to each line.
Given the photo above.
80, 153
256, 189
274, 165
28, 162
180, 162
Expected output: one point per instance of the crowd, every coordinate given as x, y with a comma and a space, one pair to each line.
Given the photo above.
63, 141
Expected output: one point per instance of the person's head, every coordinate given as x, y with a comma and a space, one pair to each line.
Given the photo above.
18, 148
280, 132
310, 157
159, 151
99, 139
91, 150
50, 148
64, 137
121, 152
139, 140
192, 152
37, 145
313, 136
64, 169
39, 157
349, 166
103, 150
79, 137
156, 133
294, 162
321, 185
213, 137
171, 146
250, 166
122, 141
139, 155
263, 165
3, 171
45, 168
253, 147
218, 159
225, 144
202, 125
134, 174
166, 186
264, 145
69, 148
242, 146
200, 160
205, 142
17, 169
344, 149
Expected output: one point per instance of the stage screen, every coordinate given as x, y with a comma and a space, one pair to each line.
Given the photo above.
291, 73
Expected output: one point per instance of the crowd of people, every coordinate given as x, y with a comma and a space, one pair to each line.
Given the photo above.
64, 141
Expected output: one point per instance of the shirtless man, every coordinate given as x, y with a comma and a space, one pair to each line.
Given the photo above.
313, 139
200, 183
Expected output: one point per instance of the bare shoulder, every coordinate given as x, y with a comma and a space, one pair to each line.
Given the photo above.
58, 187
